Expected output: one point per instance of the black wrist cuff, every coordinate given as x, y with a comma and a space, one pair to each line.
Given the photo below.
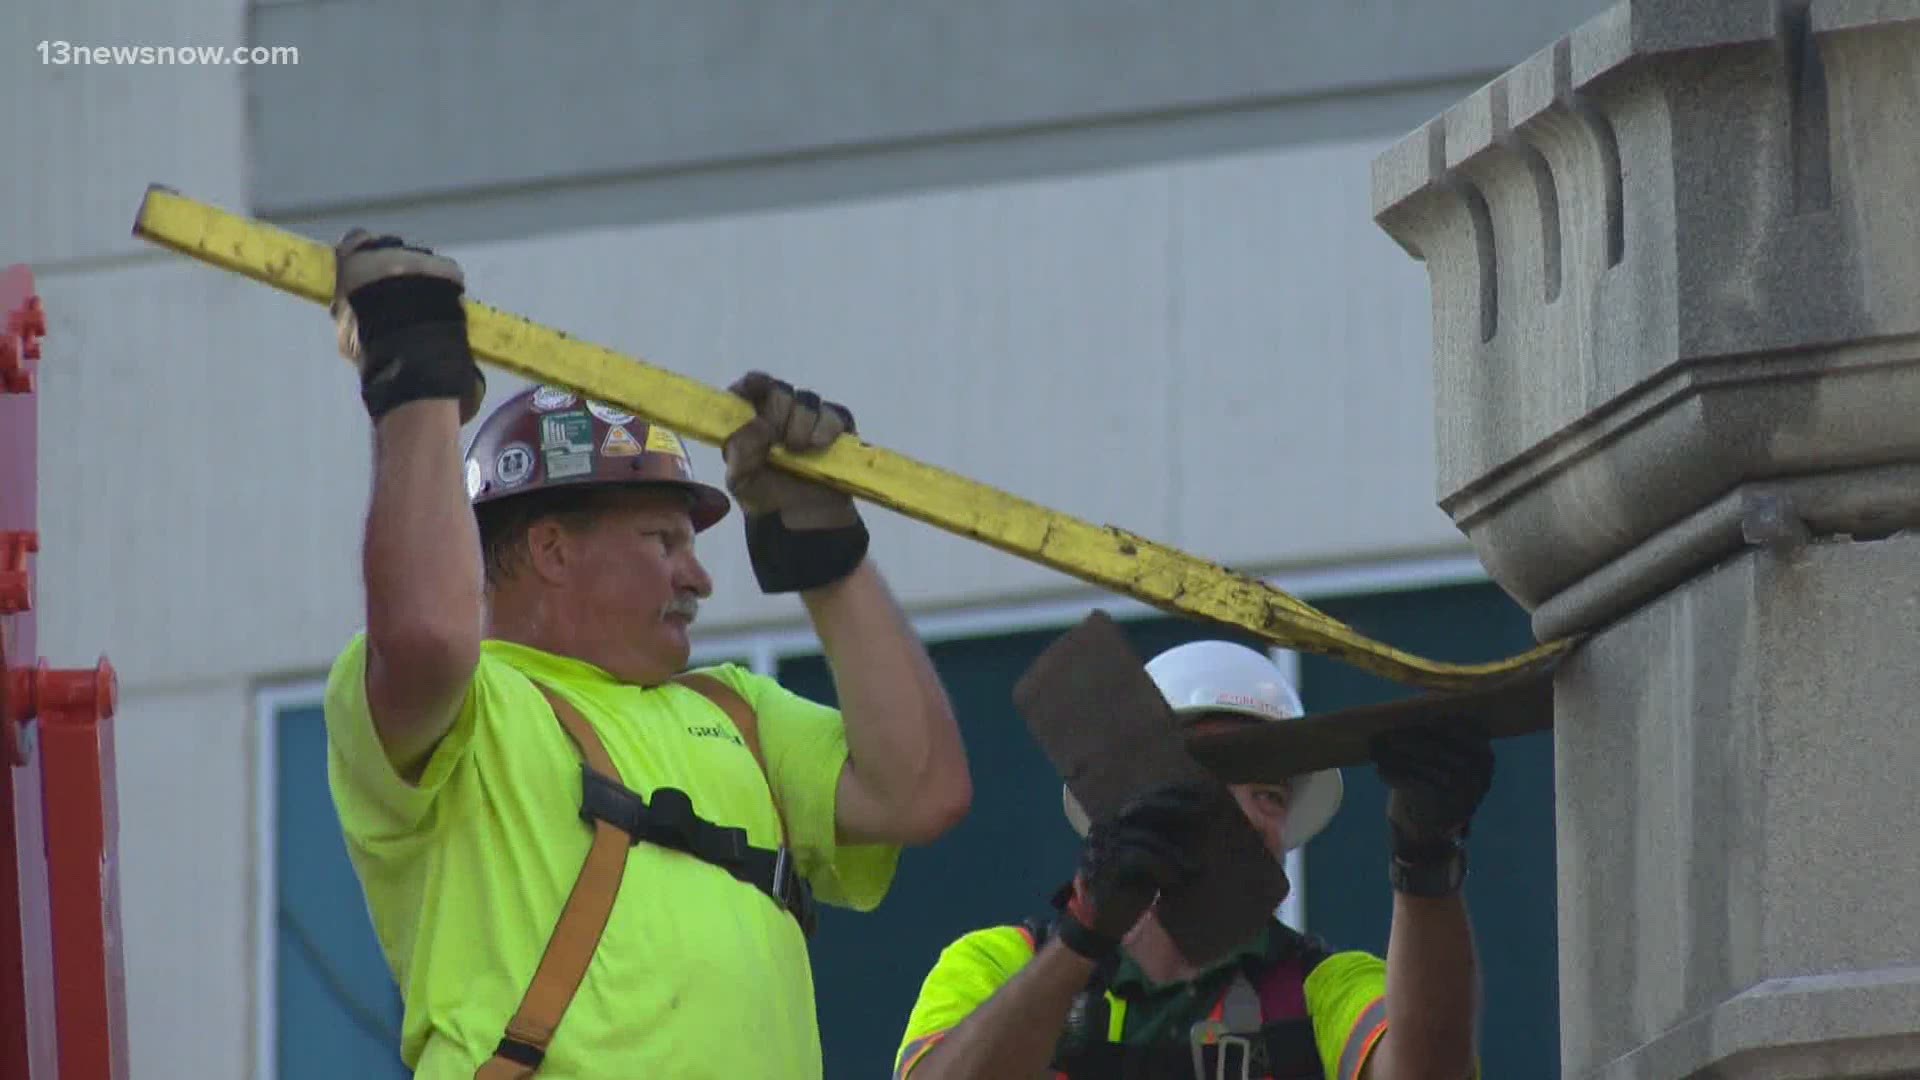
1088, 943
413, 345
1428, 875
1425, 844
426, 361
786, 560
399, 303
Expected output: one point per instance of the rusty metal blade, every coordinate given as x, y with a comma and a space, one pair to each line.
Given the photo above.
1270, 753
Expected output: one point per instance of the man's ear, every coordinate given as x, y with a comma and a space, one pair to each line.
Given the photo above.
550, 550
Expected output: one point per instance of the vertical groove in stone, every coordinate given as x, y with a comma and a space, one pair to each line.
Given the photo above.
1807, 83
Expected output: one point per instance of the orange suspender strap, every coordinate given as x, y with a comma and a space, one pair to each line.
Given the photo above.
584, 917
577, 934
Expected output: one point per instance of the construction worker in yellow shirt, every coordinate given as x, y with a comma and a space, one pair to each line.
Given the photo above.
1098, 988
580, 860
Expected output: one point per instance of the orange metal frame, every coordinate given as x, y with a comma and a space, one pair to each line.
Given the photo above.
62, 995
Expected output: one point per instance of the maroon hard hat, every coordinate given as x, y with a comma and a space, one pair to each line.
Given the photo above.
548, 436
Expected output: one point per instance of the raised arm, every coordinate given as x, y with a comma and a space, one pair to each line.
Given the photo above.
906, 780
1125, 863
1437, 778
1012, 1033
398, 314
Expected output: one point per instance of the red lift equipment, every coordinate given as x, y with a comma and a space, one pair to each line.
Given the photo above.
62, 992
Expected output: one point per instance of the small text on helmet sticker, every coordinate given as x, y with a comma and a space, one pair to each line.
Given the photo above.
620, 443
608, 413
568, 433
662, 441
549, 398
562, 465
1247, 701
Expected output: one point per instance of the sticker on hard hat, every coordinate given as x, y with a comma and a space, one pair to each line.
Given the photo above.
549, 398
474, 479
662, 441
567, 433
563, 465
619, 443
513, 465
608, 413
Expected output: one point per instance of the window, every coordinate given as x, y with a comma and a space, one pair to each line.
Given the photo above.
334, 1010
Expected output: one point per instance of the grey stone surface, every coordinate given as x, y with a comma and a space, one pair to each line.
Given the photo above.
1805, 1027
1780, 514
1734, 767
1863, 14
394, 100
1675, 269
1674, 252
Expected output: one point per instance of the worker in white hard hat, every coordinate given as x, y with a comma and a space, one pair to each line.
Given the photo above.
1099, 989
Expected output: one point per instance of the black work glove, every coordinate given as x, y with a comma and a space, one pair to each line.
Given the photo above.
1436, 776
1152, 845
800, 535
397, 317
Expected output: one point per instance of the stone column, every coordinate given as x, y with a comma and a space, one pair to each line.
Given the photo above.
1675, 261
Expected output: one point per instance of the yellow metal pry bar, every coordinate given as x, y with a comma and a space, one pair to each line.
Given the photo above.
1105, 556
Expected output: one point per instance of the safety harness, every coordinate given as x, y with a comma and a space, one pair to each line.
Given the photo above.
620, 819
1231, 1043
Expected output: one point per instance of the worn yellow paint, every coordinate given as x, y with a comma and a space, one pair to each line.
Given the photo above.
1101, 555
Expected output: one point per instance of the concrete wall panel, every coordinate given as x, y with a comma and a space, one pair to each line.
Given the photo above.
591, 88
1303, 409
83, 139
188, 868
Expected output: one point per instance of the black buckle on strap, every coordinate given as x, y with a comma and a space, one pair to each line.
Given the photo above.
670, 820
520, 1053
602, 799
724, 846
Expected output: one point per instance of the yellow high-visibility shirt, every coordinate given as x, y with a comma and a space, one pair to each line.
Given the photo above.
465, 871
1345, 997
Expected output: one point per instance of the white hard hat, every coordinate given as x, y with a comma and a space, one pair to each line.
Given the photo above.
1222, 677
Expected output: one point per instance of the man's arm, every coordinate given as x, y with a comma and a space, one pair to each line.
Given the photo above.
906, 779
1436, 778
1433, 993
1127, 860
399, 320
1014, 1032
421, 563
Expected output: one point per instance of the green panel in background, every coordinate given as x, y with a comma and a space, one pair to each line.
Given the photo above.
1510, 886
337, 1012
998, 866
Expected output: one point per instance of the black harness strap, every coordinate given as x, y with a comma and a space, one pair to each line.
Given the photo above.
1283, 1049
669, 821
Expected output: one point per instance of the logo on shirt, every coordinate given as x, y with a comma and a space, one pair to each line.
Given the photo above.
707, 731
